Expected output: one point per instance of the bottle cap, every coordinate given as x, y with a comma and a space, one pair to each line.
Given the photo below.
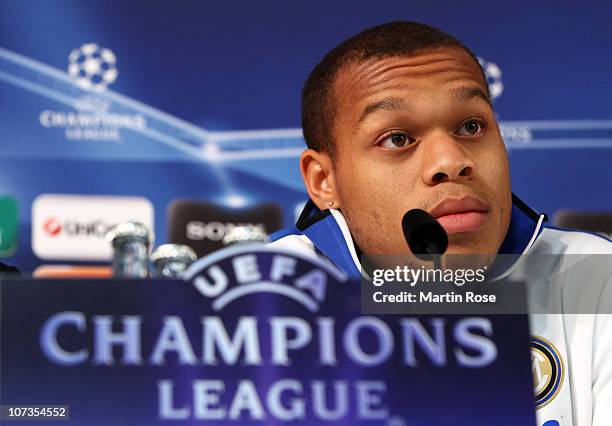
129, 232
173, 252
245, 234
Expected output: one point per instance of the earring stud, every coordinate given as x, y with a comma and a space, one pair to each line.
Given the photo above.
331, 203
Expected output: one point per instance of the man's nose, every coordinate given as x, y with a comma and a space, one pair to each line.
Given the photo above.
445, 160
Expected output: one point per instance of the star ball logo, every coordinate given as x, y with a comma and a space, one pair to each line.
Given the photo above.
92, 67
493, 75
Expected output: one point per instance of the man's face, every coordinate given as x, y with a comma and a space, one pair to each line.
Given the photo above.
418, 132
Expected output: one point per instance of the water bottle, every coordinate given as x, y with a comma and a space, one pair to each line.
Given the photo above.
245, 234
171, 260
130, 241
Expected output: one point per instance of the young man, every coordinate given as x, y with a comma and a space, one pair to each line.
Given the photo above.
399, 117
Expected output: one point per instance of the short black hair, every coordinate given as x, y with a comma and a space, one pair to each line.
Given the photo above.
397, 38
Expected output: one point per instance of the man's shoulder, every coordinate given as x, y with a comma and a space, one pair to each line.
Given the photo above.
575, 264
294, 242
570, 241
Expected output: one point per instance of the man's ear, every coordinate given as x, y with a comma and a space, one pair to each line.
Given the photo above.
318, 173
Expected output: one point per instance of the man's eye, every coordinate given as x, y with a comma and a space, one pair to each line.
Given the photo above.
470, 128
396, 140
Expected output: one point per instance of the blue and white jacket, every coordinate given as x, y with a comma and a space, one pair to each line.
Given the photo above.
571, 350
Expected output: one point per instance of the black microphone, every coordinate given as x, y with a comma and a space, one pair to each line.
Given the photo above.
425, 236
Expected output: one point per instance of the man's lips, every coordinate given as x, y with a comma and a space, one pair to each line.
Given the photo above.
463, 214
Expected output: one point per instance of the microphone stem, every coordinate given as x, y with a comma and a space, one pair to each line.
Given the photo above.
434, 251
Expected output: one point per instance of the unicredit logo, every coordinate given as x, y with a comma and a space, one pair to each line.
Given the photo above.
52, 226
74, 228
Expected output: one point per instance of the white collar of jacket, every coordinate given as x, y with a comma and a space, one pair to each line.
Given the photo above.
330, 235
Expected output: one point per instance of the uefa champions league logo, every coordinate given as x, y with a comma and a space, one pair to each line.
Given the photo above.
510, 133
493, 74
92, 67
236, 272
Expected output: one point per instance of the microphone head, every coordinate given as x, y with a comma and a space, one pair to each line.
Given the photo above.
424, 235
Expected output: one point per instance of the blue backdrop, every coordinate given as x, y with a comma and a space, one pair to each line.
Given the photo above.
200, 101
